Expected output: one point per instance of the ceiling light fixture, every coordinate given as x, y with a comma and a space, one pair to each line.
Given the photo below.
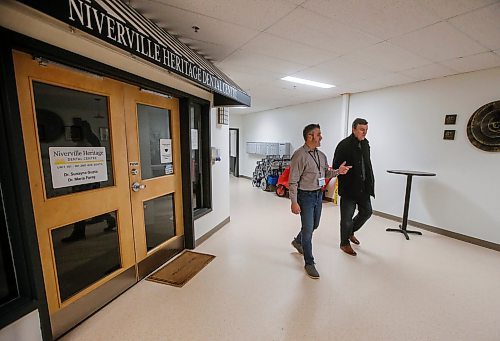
307, 82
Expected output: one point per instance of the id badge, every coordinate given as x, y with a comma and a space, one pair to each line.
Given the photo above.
321, 182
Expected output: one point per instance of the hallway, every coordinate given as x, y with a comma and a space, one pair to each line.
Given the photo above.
429, 288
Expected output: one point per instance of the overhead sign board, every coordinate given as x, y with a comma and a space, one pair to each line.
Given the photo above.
118, 24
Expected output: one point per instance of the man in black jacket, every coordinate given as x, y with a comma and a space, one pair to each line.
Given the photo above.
356, 186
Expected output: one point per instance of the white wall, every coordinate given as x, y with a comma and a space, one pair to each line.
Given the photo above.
220, 180
406, 125
285, 125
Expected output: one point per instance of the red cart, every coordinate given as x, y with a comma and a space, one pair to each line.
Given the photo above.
282, 184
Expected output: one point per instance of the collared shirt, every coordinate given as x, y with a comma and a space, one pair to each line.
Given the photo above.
306, 167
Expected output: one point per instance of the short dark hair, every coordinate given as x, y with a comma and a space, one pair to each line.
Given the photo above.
308, 129
359, 121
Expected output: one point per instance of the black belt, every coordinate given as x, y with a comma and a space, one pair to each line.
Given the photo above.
314, 190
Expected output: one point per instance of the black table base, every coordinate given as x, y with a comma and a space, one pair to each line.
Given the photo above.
409, 175
404, 231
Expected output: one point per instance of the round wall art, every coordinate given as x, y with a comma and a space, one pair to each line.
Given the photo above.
483, 128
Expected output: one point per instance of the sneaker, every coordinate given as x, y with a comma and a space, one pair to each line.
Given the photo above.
311, 271
298, 246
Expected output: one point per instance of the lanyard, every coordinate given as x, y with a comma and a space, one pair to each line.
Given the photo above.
318, 161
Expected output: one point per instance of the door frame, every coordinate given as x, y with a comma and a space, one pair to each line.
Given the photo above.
18, 207
16, 41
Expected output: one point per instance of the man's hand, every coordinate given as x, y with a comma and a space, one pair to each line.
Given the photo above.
343, 168
295, 208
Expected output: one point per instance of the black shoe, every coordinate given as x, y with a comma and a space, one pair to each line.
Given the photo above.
298, 246
72, 238
311, 271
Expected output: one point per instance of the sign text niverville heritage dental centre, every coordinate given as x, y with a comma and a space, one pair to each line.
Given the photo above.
106, 23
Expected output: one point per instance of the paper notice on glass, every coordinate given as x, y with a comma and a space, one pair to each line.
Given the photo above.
71, 166
165, 150
194, 139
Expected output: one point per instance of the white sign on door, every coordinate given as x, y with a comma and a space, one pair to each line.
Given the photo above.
165, 150
194, 139
71, 166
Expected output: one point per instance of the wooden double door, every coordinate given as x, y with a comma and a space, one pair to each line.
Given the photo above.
103, 160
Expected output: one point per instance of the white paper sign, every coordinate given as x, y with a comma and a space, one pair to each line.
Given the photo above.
165, 150
194, 139
71, 166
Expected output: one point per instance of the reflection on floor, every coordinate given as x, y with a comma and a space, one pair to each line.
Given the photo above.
429, 288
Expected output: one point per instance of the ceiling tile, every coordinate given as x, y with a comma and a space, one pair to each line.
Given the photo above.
339, 71
438, 42
358, 45
483, 25
387, 56
208, 38
473, 63
208, 50
255, 14
387, 80
381, 18
316, 30
273, 46
256, 61
429, 71
449, 8
247, 78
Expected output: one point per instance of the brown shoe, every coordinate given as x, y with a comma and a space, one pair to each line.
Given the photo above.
348, 249
354, 240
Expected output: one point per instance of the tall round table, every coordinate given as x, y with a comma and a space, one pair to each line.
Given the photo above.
409, 175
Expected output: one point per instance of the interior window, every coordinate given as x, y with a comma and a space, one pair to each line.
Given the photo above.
200, 159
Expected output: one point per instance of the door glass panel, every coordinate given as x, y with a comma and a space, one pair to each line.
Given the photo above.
75, 126
159, 219
154, 141
85, 252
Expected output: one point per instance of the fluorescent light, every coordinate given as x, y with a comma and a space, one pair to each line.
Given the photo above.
307, 82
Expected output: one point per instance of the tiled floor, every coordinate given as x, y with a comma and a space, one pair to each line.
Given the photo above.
429, 288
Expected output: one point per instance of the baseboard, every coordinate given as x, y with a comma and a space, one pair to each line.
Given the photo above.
454, 235
246, 177
207, 235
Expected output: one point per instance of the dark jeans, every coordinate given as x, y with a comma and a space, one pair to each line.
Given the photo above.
310, 212
348, 224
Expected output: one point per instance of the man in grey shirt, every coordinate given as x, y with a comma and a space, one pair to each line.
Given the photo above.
308, 171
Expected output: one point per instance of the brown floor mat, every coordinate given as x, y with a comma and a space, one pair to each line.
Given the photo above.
179, 271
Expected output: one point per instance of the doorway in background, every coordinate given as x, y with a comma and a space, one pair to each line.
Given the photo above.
234, 150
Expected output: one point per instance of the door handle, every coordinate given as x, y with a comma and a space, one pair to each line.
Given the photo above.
136, 187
